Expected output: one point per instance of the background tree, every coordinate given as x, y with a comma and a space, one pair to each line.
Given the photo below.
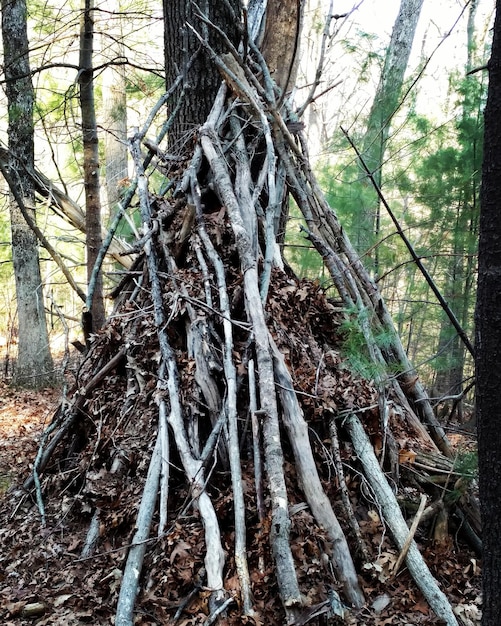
34, 366
95, 314
488, 339
114, 107
384, 107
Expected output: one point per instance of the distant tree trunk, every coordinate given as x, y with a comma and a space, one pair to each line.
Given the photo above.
383, 109
90, 166
459, 293
115, 110
488, 340
202, 80
34, 363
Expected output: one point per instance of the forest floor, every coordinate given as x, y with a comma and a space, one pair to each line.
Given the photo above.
40, 570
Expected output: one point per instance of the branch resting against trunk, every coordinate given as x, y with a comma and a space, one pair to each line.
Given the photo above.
69, 210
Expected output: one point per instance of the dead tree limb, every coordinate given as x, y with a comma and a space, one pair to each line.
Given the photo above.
395, 521
350, 514
232, 414
297, 430
130, 580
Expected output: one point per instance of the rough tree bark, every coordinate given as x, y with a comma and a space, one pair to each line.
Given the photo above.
34, 366
488, 339
281, 41
183, 53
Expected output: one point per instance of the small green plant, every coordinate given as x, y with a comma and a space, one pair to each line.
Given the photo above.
466, 466
354, 345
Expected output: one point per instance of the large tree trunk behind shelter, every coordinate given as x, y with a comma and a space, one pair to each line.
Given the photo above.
183, 54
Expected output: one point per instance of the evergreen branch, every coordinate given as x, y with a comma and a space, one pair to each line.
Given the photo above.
417, 260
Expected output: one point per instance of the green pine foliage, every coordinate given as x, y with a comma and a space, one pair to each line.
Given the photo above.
431, 179
354, 344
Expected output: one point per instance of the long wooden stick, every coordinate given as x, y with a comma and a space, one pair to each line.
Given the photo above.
232, 415
130, 581
395, 521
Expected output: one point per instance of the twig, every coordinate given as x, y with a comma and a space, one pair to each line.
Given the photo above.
410, 536
66, 420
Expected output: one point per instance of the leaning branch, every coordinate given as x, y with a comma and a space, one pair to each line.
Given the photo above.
130, 581
394, 518
193, 467
41, 237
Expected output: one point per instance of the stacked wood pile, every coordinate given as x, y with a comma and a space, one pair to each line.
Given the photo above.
217, 461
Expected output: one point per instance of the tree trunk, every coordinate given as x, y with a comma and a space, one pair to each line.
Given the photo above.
34, 366
281, 39
95, 315
384, 107
114, 110
183, 53
488, 340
